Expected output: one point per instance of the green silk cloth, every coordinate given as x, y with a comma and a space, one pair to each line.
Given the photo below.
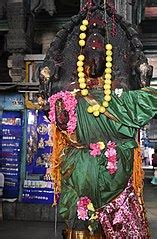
88, 175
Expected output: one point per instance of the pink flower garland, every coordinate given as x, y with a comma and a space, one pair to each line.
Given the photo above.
86, 211
95, 149
70, 105
111, 156
82, 210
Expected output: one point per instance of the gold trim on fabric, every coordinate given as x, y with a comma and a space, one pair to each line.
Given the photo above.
72, 140
150, 90
68, 172
72, 234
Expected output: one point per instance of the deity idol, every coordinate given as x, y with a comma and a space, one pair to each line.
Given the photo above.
96, 79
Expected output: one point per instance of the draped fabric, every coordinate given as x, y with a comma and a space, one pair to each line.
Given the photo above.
123, 217
88, 175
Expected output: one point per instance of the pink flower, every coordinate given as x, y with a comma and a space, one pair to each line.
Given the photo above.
70, 105
111, 156
110, 152
111, 144
82, 211
82, 214
112, 167
83, 202
95, 149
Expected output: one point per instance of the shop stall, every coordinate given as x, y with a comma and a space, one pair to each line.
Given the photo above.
11, 133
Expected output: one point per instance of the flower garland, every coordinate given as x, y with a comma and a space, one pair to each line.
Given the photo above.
95, 148
86, 211
111, 155
97, 108
70, 105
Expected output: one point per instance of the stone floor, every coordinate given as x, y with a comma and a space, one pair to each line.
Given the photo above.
46, 230
150, 197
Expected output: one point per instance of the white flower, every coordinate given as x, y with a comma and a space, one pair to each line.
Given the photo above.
119, 92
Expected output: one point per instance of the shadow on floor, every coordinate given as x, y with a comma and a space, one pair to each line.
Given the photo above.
46, 230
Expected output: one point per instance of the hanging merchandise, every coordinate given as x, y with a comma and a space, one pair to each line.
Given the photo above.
37, 191
10, 152
38, 143
38, 187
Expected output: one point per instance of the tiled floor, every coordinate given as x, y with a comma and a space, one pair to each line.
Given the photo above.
45, 230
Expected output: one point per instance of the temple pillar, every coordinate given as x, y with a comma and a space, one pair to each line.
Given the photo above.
19, 37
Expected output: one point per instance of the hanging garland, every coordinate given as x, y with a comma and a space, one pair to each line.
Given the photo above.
97, 108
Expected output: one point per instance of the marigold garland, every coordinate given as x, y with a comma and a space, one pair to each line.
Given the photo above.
59, 143
138, 173
97, 108
138, 177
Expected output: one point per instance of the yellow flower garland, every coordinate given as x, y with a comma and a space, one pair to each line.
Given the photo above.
97, 108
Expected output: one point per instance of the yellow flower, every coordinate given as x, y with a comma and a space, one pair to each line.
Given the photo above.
107, 86
83, 28
82, 36
96, 107
96, 113
108, 82
80, 69
102, 109
84, 92
102, 145
107, 98
108, 64
80, 63
81, 74
82, 85
108, 76
90, 207
90, 228
108, 53
108, 70
81, 57
93, 217
105, 104
107, 92
82, 42
85, 22
90, 109
81, 80
109, 58
108, 47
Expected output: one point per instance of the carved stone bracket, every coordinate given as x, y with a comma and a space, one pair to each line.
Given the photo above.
19, 37
39, 5
17, 67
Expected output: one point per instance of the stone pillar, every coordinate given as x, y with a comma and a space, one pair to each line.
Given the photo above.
124, 8
19, 36
47, 5
17, 67
46, 41
2, 9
